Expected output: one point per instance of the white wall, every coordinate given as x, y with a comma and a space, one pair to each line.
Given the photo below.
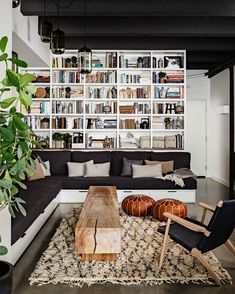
198, 85
26, 28
218, 129
6, 28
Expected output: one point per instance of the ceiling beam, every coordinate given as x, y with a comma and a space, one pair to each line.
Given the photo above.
221, 67
149, 26
134, 8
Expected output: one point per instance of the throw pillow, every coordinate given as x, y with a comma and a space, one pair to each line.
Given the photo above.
38, 173
77, 169
97, 170
147, 171
127, 166
46, 170
167, 166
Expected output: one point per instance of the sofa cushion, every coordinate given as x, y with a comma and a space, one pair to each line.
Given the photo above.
127, 183
117, 159
97, 156
127, 166
181, 159
97, 170
38, 196
58, 160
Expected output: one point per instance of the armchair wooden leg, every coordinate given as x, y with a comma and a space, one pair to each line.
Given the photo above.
230, 246
165, 242
196, 253
204, 211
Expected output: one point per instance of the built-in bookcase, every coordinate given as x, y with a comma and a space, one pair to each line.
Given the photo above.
131, 100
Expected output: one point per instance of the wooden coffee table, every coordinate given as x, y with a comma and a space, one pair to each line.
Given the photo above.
98, 230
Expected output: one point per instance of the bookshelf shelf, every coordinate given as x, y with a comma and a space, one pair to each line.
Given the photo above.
131, 81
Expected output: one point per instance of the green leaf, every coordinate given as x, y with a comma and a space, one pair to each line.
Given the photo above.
14, 190
21, 208
5, 184
30, 89
25, 99
2, 198
11, 210
13, 78
7, 102
3, 250
3, 43
4, 90
22, 185
18, 62
6, 134
26, 79
19, 152
3, 56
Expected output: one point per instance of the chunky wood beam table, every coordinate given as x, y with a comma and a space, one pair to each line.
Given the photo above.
98, 230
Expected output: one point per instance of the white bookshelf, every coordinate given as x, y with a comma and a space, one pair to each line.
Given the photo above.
125, 82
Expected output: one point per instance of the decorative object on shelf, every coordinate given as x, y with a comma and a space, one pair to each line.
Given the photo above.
67, 92
160, 63
137, 205
41, 93
173, 62
107, 143
179, 108
46, 27
58, 36
74, 61
45, 123
59, 140
179, 123
107, 108
173, 206
170, 107
139, 62
167, 122
85, 54
99, 123
144, 123
162, 92
161, 76
68, 140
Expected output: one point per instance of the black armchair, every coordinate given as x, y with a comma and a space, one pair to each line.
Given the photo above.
199, 238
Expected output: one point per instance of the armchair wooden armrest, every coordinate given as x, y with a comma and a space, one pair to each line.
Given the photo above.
207, 206
187, 224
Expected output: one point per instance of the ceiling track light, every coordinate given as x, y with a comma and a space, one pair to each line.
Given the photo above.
85, 54
58, 36
46, 27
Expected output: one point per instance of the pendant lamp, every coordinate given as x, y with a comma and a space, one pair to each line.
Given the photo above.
85, 54
46, 28
58, 36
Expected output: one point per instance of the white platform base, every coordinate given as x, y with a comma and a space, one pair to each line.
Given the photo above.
74, 196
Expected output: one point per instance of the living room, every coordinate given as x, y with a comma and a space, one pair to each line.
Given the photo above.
117, 146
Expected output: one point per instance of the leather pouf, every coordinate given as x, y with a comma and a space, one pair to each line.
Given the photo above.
173, 206
137, 205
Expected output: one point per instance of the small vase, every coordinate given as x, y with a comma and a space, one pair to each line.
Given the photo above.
59, 144
167, 126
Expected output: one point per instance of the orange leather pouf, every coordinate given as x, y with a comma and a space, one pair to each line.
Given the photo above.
173, 206
137, 205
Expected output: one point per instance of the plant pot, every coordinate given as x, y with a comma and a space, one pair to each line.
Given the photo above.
6, 273
59, 144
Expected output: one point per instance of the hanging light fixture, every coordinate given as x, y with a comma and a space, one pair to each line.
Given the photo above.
85, 54
58, 36
46, 27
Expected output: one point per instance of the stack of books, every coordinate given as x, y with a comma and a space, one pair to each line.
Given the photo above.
63, 76
158, 123
127, 124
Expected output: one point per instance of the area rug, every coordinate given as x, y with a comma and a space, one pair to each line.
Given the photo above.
138, 262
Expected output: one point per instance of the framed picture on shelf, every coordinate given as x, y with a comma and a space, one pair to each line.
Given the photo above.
144, 123
173, 62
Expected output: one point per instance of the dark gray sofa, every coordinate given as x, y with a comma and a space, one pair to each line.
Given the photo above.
41, 192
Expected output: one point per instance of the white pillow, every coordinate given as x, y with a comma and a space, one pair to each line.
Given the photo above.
77, 169
97, 170
46, 171
147, 171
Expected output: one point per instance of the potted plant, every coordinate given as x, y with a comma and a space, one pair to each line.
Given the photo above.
59, 140
6, 272
45, 123
167, 122
68, 140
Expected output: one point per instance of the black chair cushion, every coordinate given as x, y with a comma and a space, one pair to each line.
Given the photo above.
126, 183
38, 195
181, 159
117, 159
58, 160
185, 237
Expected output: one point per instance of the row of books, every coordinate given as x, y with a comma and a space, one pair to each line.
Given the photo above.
67, 92
107, 77
168, 142
111, 60
63, 76
68, 62
158, 108
169, 92
37, 108
67, 107
108, 107
35, 122
135, 78
173, 77
130, 93
67, 123
103, 92
140, 62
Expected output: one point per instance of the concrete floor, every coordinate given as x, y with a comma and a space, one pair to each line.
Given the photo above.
208, 191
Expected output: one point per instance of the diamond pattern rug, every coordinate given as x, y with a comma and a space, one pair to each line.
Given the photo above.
138, 262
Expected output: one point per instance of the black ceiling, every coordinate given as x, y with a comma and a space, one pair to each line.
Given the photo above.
206, 29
